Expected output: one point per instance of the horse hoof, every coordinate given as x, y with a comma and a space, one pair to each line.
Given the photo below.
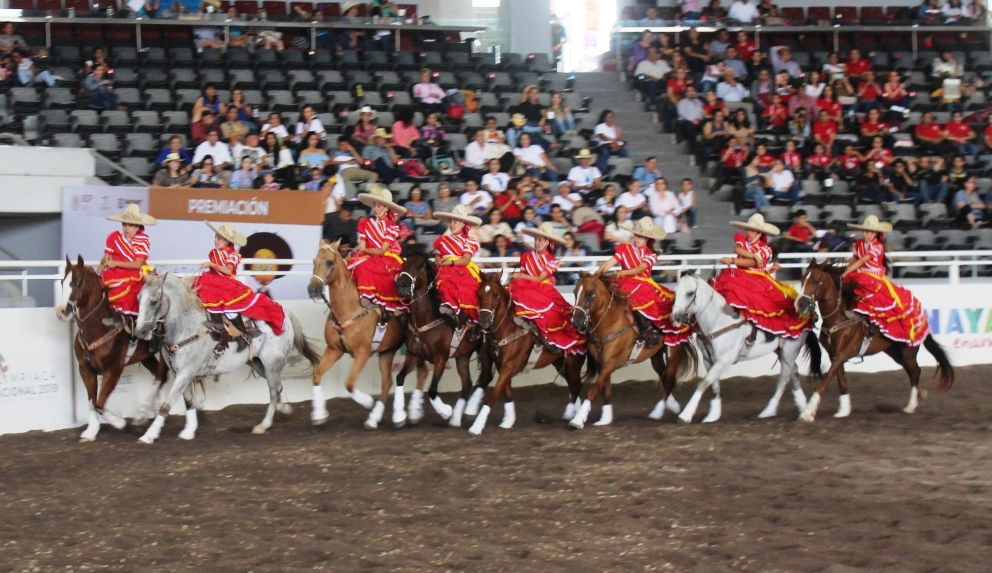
767, 414
319, 421
146, 441
190, 435
576, 425
683, 421
258, 430
85, 440
909, 410
399, 423
370, 425
708, 420
808, 418
475, 432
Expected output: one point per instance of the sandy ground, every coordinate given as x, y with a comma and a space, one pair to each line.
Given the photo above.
880, 490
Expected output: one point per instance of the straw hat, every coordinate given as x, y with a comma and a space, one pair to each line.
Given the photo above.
585, 154
545, 231
228, 232
518, 119
348, 6
645, 227
173, 157
459, 213
756, 223
380, 132
133, 216
872, 224
366, 109
381, 196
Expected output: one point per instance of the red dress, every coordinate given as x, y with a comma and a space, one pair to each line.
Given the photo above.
892, 308
542, 304
647, 297
123, 285
376, 274
224, 293
458, 286
757, 296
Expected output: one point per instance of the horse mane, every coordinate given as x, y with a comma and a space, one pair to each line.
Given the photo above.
181, 288
612, 284
834, 271
414, 249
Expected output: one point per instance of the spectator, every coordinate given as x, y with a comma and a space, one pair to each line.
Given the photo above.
825, 131
745, 46
730, 90
494, 181
236, 35
245, 111
819, 163
476, 199
902, 186
9, 40
799, 236
445, 202
782, 183
653, 75
99, 57
559, 221
214, 148
872, 127
896, 94
207, 37
475, 157
171, 174
930, 136
833, 68
233, 129
349, 162
361, 133
712, 75
732, 161
714, 11
781, 58
960, 136
712, 103
741, 128
792, 158
696, 52
743, 11
503, 247
651, 17
496, 147
382, 156
802, 100
274, 125
734, 63
340, 224
562, 120
719, 45
616, 231
814, 86
800, 130
633, 200
716, 133
313, 153
879, 154
486, 234
529, 220
585, 177
664, 206
245, 175
316, 181
269, 182
206, 176
849, 163
512, 202
405, 133
690, 113
531, 112
969, 207
432, 137
687, 206
208, 100
418, 211
690, 11
198, 130
309, 123
638, 51
958, 172
566, 198
533, 159
28, 73
987, 133
870, 186
675, 90
99, 90
175, 147
648, 172
869, 93
856, 66
250, 148
428, 94
762, 88
945, 66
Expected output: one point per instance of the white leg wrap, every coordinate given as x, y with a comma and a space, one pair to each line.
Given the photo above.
456, 414
843, 406
509, 416
579, 421
658, 411
192, 423
605, 416
809, 414
416, 408
92, 427
770, 411
441, 408
716, 410
375, 415
914, 401
318, 410
690, 408
672, 404
114, 420
153, 431
472, 406
480, 421
570, 410
399, 407
799, 397
363, 399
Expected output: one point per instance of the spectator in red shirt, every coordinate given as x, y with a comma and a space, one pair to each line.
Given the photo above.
828, 103
930, 136
792, 158
762, 159
872, 126
745, 46
511, 204
961, 136
198, 131
988, 133
819, 162
776, 116
825, 130
675, 90
849, 164
879, 154
803, 100
895, 92
856, 67
798, 238
711, 103
732, 161
869, 93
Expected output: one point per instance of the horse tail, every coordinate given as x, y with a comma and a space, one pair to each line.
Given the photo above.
944, 368
301, 343
815, 355
688, 357
486, 360
592, 369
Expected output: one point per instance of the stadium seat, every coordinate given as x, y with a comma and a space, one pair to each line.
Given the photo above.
116, 121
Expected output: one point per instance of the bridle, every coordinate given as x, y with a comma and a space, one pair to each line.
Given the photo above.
814, 297
493, 326
590, 328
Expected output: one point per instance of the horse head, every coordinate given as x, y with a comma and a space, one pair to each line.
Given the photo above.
76, 289
492, 299
687, 291
587, 291
153, 306
415, 276
327, 262
820, 282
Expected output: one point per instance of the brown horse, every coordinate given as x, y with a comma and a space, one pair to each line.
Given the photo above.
350, 329
512, 347
429, 339
843, 334
101, 351
604, 315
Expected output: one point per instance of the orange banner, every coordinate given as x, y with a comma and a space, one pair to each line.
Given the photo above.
189, 204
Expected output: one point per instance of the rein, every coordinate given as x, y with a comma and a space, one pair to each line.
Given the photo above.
838, 307
338, 325
418, 330
602, 342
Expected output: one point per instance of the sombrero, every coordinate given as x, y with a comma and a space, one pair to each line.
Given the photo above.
366, 109
173, 157
585, 154
518, 119
545, 231
348, 6
459, 213
872, 223
133, 216
756, 223
229, 233
380, 195
645, 227
380, 132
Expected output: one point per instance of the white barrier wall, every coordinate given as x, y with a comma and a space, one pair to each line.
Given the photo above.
39, 384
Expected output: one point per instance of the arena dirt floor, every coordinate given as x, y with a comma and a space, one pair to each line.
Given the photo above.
878, 491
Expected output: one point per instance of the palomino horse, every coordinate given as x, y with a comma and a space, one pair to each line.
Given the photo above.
168, 300
429, 338
604, 316
101, 350
515, 347
725, 338
351, 329
843, 334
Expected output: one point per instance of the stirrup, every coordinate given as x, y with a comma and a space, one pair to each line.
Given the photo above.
115, 320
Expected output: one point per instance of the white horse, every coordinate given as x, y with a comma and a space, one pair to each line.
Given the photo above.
189, 349
723, 338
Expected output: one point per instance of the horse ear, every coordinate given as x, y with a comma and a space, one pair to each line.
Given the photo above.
336, 245
79, 259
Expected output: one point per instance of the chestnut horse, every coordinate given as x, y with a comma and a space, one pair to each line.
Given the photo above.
429, 339
101, 350
843, 334
350, 329
512, 346
604, 315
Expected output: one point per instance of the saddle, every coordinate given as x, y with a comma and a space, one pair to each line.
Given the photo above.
530, 327
224, 330
647, 332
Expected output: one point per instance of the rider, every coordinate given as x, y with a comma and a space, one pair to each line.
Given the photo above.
223, 294
651, 301
124, 264
535, 297
750, 288
892, 308
457, 276
376, 261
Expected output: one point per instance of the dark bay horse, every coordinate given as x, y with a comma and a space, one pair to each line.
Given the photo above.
843, 333
429, 338
603, 314
101, 351
512, 347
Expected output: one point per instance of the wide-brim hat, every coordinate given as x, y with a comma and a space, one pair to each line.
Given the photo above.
756, 223
871, 223
459, 213
349, 5
133, 216
380, 132
381, 196
229, 233
545, 231
585, 154
518, 119
173, 157
366, 109
645, 227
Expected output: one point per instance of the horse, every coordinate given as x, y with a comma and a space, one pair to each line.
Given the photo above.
514, 348
603, 314
169, 301
429, 338
725, 339
843, 334
351, 329
101, 351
